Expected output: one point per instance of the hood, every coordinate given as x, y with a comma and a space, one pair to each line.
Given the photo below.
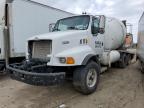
2, 11
58, 34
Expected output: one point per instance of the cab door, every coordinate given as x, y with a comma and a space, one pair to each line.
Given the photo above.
97, 36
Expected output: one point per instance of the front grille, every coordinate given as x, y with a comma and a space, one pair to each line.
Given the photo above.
40, 49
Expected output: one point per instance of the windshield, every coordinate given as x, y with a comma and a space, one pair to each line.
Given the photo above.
73, 23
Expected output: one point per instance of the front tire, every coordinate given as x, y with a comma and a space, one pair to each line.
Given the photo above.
86, 78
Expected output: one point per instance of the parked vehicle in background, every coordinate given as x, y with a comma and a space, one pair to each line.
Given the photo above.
140, 44
80, 48
19, 20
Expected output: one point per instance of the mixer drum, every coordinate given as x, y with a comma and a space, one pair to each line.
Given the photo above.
115, 33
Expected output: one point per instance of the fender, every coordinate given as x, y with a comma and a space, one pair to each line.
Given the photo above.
78, 53
90, 57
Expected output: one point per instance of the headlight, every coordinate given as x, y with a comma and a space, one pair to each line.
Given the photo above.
62, 60
67, 60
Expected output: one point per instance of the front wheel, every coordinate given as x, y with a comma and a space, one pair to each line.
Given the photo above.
86, 78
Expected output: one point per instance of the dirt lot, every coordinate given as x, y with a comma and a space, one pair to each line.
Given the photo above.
118, 88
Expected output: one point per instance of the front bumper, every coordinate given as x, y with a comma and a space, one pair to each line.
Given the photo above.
34, 78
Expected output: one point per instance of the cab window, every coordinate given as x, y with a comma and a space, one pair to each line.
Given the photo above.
95, 26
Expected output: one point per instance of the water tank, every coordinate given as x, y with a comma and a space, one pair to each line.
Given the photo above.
115, 33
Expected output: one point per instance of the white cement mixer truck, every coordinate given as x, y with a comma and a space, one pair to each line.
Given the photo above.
79, 48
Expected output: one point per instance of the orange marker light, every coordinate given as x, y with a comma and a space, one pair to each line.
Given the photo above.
70, 60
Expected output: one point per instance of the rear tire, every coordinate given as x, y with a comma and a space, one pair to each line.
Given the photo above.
86, 78
123, 61
129, 58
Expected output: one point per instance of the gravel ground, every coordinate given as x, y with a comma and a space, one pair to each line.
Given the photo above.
118, 88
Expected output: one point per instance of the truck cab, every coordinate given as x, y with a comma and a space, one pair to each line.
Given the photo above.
74, 37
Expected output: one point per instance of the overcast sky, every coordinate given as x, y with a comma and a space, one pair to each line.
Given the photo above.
131, 10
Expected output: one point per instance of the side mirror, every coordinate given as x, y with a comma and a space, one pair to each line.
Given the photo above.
51, 27
102, 24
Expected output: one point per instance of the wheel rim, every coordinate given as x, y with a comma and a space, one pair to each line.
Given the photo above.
91, 78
